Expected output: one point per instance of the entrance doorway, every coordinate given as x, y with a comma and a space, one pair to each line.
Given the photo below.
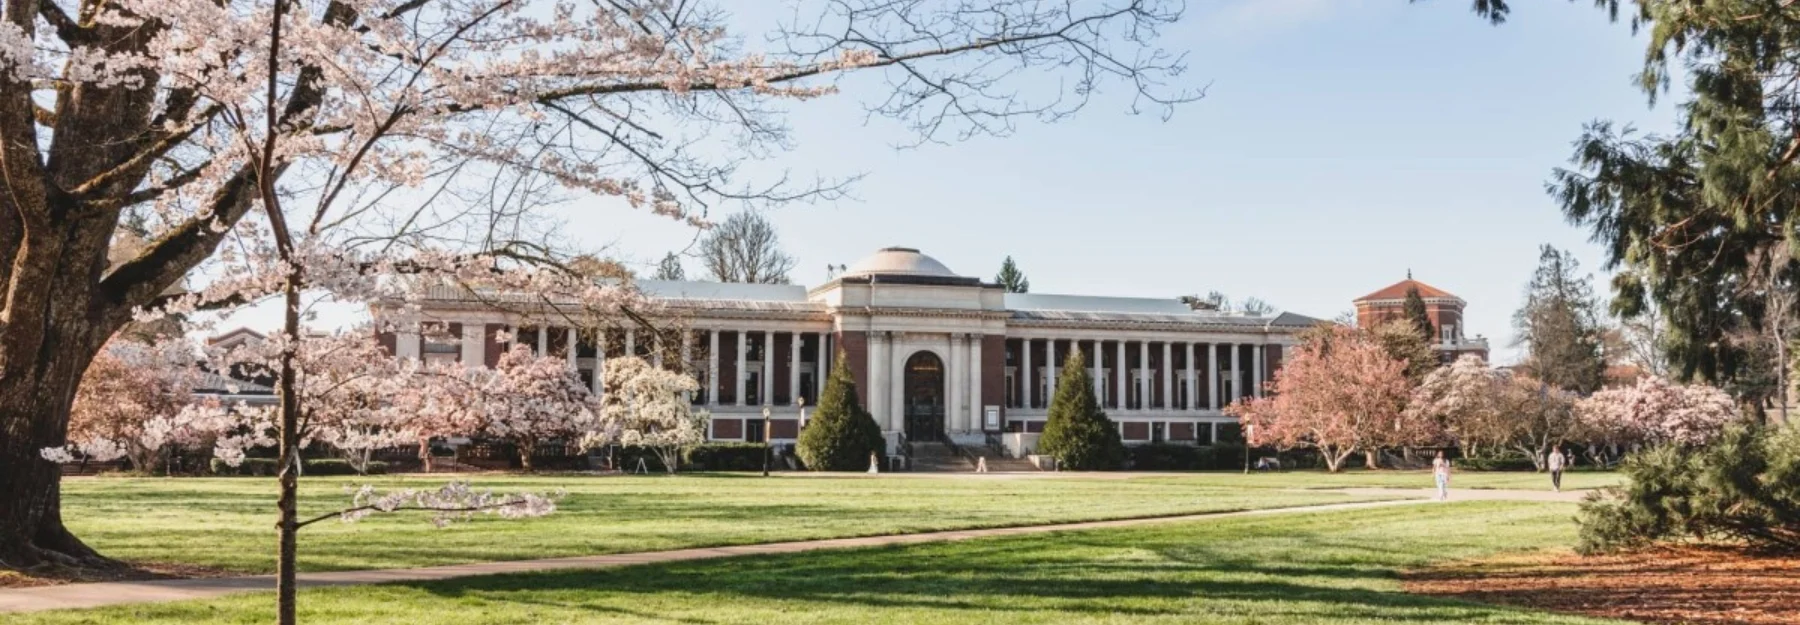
924, 398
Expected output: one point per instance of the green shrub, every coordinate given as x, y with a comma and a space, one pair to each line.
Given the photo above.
726, 457
1169, 457
1744, 488
841, 435
1076, 432
338, 466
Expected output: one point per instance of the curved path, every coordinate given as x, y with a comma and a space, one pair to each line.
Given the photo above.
114, 593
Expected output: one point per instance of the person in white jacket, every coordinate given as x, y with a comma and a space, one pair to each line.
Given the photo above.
1555, 462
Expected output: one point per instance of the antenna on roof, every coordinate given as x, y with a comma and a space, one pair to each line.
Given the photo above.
1409, 273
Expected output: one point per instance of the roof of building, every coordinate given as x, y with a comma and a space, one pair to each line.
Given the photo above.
697, 290
899, 261
1087, 303
1398, 290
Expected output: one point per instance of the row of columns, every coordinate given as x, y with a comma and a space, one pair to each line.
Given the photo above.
1143, 383
962, 379
472, 340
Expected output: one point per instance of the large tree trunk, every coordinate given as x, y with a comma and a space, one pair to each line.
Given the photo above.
35, 396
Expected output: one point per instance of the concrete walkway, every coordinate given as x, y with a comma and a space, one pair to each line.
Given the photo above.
115, 593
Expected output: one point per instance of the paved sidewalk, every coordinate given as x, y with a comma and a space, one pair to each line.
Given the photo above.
114, 593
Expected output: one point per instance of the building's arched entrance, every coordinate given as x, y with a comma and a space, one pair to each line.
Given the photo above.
924, 385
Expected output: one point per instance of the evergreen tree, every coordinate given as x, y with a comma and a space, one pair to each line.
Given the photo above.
1078, 434
1011, 278
1401, 342
670, 268
841, 435
1414, 310
1560, 325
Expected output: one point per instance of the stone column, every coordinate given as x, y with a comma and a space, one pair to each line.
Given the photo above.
955, 379
474, 345
794, 368
1025, 348
975, 401
630, 343
877, 378
1168, 377
1237, 372
737, 382
1212, 375
1256, 366
687, 358
573, 342
543, 342
821, 369
1099, 392
1143, 376
1193, 390
896, 384
599, 362
1119, 375
407, 344
1050, 362
768, 370
712, 367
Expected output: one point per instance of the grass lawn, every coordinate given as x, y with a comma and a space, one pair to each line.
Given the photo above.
226, 523
1358, 478
1338, 568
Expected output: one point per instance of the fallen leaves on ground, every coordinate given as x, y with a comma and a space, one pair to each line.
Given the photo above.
1690, 584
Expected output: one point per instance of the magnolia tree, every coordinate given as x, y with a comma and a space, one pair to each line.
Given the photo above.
648, 406
1656, 411
1465, 400
1338, 393
529, 400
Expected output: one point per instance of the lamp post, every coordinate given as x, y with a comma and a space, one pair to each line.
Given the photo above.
765, 433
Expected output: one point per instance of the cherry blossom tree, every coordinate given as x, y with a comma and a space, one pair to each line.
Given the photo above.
1338, 393
300, 128
648, 406
1657, 411
132, 403
529, 400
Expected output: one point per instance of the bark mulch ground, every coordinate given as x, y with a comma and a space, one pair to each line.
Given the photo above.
131, 573
1694, 585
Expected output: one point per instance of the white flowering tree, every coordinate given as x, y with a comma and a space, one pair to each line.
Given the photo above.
529, 400
1656, 411
133, 404
647, 406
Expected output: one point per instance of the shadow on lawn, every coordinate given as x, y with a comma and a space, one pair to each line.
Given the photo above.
1073, 576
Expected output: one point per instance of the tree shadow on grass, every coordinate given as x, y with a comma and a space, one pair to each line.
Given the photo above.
1073, 577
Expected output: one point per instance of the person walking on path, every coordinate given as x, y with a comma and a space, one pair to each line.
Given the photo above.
1440, 470
1555, 463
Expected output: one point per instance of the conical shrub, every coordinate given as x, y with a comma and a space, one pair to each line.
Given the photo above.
841, 435
1078, 434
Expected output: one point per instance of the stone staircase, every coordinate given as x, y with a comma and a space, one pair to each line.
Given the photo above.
932, 456
935, 457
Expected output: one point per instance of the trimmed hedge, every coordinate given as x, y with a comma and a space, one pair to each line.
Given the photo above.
250, 466
727, 457
1168, 457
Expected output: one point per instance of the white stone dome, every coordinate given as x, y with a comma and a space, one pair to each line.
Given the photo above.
899, 261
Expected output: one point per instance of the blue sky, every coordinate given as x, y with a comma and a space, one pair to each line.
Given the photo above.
1341, 143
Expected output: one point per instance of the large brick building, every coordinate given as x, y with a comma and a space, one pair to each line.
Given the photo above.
935, 355
1444, 309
